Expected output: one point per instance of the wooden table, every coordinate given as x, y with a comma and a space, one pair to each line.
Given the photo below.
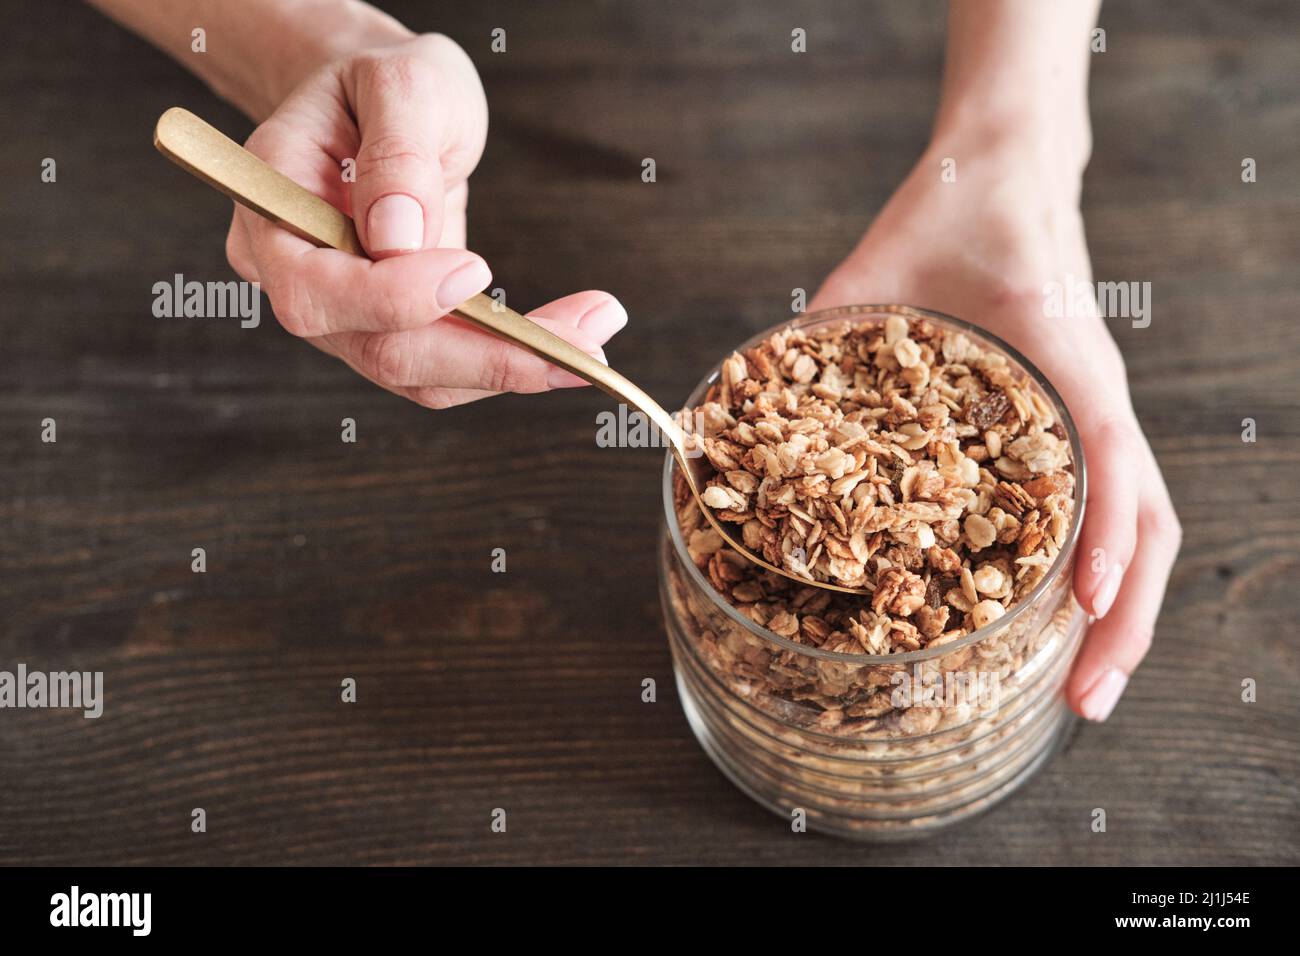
521, 690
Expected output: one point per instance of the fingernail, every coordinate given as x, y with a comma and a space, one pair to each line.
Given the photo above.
395, 223
604, 320
1103, 695
469, 279
1104, 596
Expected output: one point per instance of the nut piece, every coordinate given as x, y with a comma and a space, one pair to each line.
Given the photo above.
900, 592
989, 580
980, 531
723, 499
1013, 499
1046, 485
986, 612
944, 560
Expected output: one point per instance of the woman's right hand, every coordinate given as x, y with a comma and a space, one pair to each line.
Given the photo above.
413, 118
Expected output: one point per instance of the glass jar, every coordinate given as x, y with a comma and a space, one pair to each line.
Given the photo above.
965, 724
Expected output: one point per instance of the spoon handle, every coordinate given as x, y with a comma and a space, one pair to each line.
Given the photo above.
219, 161
491, 316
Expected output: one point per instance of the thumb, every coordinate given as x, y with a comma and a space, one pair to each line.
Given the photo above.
398, 197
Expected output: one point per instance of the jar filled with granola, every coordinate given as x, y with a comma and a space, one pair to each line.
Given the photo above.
913, 456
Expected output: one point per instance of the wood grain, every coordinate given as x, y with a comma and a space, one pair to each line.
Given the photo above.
478, 690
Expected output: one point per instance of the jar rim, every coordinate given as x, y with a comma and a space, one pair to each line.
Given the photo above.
826, 316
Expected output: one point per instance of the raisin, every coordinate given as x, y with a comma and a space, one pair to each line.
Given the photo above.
939, 586
986, 412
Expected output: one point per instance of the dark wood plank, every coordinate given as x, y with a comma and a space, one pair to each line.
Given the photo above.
371, 560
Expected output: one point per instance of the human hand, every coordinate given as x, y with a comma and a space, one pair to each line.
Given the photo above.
413, 117
983, 248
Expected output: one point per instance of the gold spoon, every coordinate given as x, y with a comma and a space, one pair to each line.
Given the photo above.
222, 163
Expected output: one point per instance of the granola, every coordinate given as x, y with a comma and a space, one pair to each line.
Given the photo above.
906, 459
901, 458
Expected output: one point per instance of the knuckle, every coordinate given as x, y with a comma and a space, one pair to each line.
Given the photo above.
258, 141
292, 306
443, 62
384, 359
239, 253
1017, 281
597, 299
386, 150
439, 44
435, 397
1161, 522
387, 307
508, 369
235, 253
1016, 293
1117, 435
392, 73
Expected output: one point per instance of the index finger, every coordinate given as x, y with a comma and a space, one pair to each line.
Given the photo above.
324, 291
